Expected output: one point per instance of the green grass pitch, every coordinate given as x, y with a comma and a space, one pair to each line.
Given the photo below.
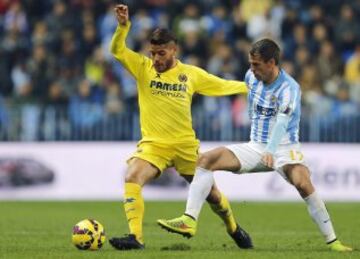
279, 230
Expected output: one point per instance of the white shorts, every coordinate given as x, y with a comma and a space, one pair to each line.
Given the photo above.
250, 154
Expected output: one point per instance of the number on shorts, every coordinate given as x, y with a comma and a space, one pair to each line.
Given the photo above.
296, 155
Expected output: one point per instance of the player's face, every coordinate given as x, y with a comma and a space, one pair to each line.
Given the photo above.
262, 69
163, 56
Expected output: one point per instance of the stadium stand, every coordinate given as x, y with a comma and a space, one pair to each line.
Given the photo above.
59, 82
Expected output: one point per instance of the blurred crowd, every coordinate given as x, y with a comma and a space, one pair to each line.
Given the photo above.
55, 66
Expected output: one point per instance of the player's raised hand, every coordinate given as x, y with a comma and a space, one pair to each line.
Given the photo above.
122, 14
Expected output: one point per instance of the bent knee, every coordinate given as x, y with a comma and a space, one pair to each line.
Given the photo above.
301, 185
204, 161
131, 177
209, 159
141, 172
304, 186
137, 177
219, 159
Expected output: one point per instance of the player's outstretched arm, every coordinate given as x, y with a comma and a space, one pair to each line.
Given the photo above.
208, 84
131, 60
117, 45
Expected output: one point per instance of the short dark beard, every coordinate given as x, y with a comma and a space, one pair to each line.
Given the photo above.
169, 63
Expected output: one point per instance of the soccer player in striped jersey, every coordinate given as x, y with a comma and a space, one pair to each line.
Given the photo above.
165, 88
274, 109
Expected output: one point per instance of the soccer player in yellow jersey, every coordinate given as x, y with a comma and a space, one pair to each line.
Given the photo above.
165, 88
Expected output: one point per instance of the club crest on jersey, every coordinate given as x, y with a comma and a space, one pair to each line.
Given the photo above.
182, 78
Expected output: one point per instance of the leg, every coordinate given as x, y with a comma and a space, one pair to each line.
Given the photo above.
219, 205
223, 158
217, 159
139, 173
203, 187
299, 176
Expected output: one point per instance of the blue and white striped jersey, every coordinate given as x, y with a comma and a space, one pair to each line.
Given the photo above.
266, 101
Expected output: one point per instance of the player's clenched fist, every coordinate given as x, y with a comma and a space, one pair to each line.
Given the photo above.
122, 14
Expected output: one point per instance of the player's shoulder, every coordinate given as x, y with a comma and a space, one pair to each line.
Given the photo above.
249, 77
193, 71
190, 67
248, 74
289, 81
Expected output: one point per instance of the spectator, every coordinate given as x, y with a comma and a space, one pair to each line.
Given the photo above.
328, 62
57, 21
352, 74
187, 22
50, 46
54, 119
193, 44
40, 35
89, 40
41, 69
216, 21
347, 30
85, 111
352, 67
15, 18
95, 67
5, 70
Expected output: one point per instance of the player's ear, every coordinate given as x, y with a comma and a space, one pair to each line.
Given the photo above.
272, 62
174, 48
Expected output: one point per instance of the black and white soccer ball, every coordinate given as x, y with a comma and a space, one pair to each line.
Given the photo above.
88, 234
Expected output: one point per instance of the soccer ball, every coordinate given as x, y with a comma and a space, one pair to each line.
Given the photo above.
88, 234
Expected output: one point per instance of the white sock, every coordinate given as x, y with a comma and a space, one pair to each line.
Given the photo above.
320, 216
199, 189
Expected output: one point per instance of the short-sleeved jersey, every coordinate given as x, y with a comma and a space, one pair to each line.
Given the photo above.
165, 98
266, 101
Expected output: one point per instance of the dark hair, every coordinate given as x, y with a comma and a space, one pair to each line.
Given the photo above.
162, 36
267, 49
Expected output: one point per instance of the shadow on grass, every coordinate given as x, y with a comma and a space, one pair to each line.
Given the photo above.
176, 247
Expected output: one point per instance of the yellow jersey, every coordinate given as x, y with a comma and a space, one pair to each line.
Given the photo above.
165, 98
